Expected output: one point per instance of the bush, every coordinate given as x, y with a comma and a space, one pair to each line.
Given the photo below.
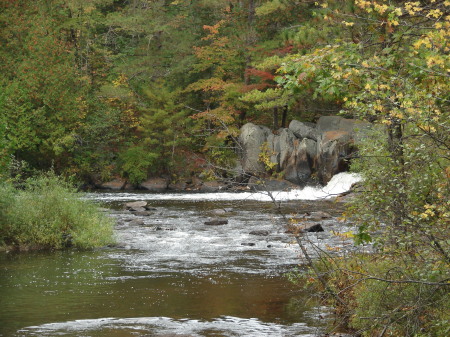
387, 294
137, 162
48, 213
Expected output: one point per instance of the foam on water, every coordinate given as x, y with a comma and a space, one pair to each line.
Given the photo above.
338, 184
223, 326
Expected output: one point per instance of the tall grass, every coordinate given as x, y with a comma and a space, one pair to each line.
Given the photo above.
48, 213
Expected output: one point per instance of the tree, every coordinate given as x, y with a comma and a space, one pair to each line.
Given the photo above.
43, 94
391, 68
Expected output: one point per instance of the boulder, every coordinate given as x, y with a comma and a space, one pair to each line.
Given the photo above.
319, 215
312, 228
216, 222
251, 139
137, 209
177, 186
335, 144
304, 130
222, 211
259, 233
287, 139
136, 205
136, 222
194, 184
155, 185
334, 152
116, 185
310, 146
212, 186
142, 213
299, 167
273, 145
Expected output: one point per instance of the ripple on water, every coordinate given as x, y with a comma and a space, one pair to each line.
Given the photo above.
165, 326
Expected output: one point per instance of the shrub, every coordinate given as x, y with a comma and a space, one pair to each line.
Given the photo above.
387, 294
137, 162
48, 213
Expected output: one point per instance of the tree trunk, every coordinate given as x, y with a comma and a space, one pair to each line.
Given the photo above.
395, 146
284, 116
275, 118
249, 41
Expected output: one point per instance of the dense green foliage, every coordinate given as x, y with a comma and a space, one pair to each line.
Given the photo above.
48, 213
86, 83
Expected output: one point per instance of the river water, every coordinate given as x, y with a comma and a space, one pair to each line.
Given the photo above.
172, 275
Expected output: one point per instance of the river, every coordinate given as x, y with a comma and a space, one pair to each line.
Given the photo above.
172, 275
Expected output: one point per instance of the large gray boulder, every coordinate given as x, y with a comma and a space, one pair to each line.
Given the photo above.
299, 167
334, 152
304, 130
273, 145
336, 144
287, 139
251, 139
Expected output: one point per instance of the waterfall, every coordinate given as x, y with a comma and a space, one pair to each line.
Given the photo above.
340, 183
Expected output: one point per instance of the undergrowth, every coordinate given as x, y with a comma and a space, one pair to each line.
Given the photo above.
46, 212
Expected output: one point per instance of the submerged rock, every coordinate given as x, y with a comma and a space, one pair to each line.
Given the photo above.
216, 222
259, 233
137, 209
312, 228
142, 213
137, 222
319, 215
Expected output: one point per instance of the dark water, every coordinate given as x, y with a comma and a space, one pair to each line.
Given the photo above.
171, 275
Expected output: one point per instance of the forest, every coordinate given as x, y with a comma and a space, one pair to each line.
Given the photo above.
99, 89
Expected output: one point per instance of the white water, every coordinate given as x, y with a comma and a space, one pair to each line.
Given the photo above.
338, 184
223, 326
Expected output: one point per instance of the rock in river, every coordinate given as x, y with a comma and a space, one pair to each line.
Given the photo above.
259, 233
136, 205
312, 228
136, 222
216, 222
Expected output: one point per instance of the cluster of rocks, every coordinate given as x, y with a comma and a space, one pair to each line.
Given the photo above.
159, 185
301, 153
302, 150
